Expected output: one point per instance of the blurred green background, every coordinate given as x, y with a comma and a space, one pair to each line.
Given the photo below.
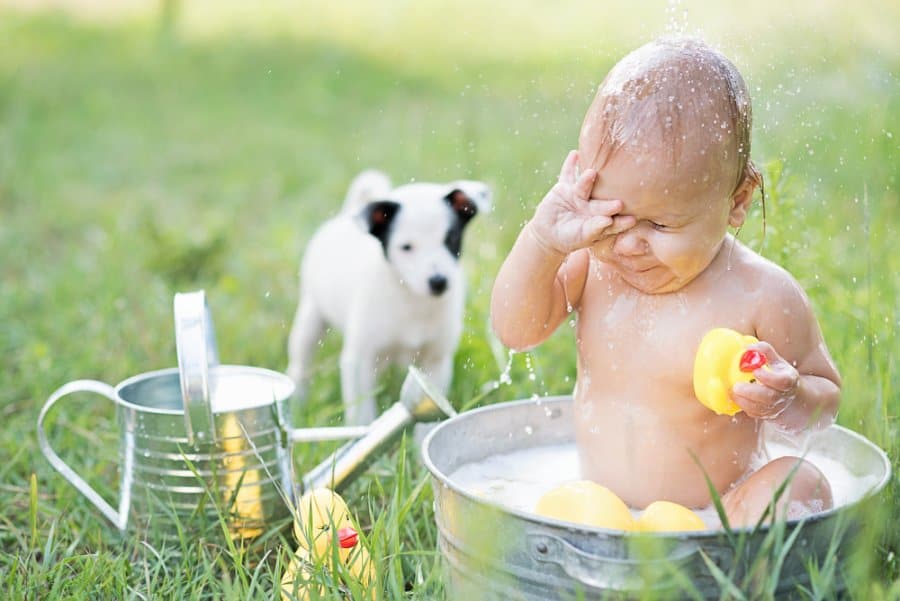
154, 147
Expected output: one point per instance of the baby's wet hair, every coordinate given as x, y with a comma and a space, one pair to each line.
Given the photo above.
665, 90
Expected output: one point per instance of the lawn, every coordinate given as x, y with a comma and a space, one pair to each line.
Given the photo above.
144, 153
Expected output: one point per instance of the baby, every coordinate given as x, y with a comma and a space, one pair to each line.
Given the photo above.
637, 243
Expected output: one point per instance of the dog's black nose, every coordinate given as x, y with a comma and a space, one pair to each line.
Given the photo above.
438, 284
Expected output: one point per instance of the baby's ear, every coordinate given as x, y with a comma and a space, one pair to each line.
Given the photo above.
740, 202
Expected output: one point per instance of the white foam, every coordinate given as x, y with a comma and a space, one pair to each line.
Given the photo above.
518, 479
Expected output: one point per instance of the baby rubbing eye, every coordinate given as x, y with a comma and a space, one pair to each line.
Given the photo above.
406, 247
658, 226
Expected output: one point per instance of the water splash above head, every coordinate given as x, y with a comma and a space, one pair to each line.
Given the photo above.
677, 17
678, 100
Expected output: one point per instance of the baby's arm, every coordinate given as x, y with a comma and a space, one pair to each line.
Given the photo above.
534, 290
801, 387
544, 274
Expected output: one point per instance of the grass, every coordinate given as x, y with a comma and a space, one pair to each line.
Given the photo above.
141, 156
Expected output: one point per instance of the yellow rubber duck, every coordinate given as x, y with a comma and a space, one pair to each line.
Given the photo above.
721, 362
586, 502
325, 532
665, 516
242, 485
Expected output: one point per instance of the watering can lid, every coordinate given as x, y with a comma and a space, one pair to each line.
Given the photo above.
195, 343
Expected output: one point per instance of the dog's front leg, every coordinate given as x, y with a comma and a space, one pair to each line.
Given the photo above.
358, 377
309, 325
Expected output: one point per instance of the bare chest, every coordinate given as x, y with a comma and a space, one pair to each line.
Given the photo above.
637, 342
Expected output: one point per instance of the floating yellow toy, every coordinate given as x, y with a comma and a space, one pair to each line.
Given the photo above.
664, 516
721, 362
325, 532
586, 502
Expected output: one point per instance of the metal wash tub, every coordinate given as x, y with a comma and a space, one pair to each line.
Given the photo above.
496, 552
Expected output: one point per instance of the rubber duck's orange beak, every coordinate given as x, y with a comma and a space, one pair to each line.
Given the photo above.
751, 361
347, 537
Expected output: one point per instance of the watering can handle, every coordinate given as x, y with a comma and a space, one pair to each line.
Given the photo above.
118, 518
195, 343
607, 572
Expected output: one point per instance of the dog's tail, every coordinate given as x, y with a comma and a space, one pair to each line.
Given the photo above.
369, 185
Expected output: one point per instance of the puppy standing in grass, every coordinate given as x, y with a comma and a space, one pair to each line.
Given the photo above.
385, 273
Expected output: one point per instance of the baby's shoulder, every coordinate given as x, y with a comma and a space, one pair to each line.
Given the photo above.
751, 265
773, 288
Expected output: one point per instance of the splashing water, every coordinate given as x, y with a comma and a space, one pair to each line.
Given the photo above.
677, 15
504, 378
529, 365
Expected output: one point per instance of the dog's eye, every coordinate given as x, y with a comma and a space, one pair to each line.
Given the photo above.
406, 247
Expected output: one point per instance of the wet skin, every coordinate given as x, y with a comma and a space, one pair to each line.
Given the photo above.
643, 256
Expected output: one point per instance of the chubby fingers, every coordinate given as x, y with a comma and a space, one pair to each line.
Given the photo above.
621, 223
774, 389
601, 226
610, 208
777, 374
583, 185
567, 173
604, 207
759, 401
595, 227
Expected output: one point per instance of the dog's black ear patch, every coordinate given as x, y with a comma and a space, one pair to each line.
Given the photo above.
462, 205
464, 209
379, 217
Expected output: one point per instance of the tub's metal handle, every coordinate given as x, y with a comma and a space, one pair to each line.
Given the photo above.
610, 573
195, 343
118, 518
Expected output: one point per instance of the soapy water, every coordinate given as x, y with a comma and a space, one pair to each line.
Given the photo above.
517, 480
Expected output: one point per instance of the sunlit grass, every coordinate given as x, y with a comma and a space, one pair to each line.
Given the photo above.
134, 164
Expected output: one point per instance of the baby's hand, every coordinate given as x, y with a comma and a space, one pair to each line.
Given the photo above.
567, 219
775, 387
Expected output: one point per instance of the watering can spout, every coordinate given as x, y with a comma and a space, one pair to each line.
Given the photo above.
420, 401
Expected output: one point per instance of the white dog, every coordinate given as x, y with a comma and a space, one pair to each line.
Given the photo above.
385, 273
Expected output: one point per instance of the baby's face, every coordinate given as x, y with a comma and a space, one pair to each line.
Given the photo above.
681, 218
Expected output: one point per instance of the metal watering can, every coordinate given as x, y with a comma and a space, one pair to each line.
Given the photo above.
204, 445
